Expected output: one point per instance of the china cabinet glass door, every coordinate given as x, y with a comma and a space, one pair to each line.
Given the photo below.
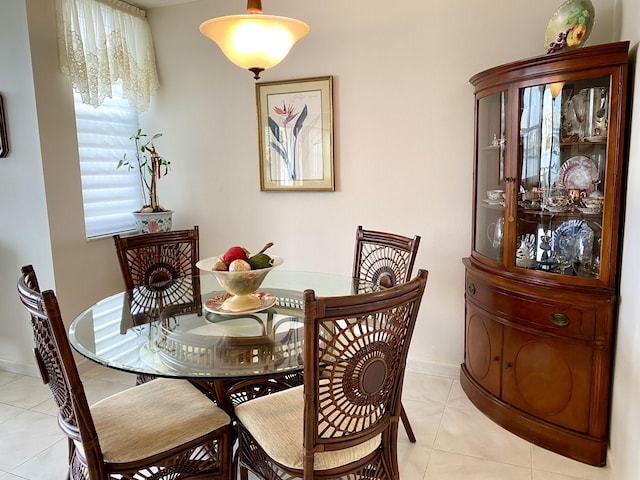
490, 175
561, 166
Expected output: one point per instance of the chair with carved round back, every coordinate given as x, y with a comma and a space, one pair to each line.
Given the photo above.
343, 421
155, 258
161, 429
385, 259
151, 264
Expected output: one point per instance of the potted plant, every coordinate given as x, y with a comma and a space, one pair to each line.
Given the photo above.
151, 217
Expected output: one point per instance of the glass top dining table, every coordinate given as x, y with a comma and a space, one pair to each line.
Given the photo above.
176, 329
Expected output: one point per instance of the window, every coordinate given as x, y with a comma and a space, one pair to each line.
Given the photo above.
109, 194
99, 41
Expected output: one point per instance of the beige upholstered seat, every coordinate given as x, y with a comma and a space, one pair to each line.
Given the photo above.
283, 444
385, 259
343, 421
162, 429
165, 413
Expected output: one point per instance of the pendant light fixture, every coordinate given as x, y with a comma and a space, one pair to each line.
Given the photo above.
254, 41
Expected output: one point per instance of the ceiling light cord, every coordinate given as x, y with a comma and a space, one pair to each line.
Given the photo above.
254, 6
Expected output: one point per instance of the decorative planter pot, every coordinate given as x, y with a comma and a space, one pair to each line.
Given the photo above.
153, 222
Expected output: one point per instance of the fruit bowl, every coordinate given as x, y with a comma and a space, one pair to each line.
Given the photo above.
242, 286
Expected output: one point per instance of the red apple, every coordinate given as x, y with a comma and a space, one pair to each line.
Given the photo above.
234, 253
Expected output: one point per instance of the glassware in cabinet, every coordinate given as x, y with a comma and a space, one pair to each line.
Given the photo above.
562, 163
490, 175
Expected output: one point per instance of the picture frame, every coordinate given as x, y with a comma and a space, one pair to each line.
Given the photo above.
295, 134
4, 142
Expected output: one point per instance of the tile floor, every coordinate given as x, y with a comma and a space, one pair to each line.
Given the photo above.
455, 441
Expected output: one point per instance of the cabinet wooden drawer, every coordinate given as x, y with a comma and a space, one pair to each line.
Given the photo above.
562, 318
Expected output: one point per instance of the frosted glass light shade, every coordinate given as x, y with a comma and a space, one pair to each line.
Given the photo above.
254, 41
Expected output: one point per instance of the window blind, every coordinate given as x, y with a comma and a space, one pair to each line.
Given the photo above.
109, 194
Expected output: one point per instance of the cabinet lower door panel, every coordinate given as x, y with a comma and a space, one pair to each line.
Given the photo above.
548, 378
483, 349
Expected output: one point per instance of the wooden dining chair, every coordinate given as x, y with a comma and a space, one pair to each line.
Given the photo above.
154, 261
155, 258
343, 421
162, 429
150, 263
385, 259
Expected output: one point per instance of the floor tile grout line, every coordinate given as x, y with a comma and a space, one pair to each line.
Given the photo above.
448, 404
476, 457
16, 415
435, 437
462, 408
531, 460
34, 456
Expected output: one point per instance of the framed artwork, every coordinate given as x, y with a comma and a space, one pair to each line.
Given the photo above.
4, 144
295, 130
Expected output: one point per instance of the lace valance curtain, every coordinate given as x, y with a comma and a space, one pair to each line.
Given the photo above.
103, 41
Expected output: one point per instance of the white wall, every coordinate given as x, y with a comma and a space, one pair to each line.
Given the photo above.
84, 270
403, 152
40, 191
403, 111
24, 234
625, 415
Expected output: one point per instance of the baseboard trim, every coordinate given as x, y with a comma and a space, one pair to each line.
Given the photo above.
431, 368
427, 368
30, 370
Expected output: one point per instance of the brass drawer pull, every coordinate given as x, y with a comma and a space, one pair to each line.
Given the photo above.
471, 288
559, 319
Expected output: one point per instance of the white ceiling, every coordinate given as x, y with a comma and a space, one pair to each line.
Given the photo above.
156, 3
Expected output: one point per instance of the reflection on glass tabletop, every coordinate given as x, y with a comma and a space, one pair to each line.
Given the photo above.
176, 336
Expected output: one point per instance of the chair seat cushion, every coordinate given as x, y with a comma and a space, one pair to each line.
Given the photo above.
152, 418
276, 422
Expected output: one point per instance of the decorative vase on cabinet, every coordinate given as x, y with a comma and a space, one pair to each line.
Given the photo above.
541, 295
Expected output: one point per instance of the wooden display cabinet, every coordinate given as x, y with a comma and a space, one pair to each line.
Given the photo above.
542, 278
